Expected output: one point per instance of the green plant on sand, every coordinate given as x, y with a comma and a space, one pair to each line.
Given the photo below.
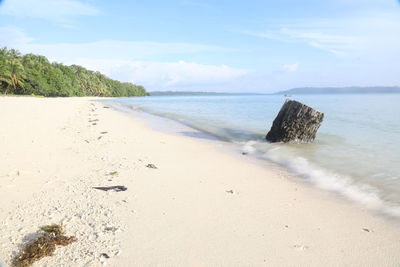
42, 246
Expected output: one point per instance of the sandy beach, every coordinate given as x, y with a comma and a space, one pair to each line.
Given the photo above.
200, 206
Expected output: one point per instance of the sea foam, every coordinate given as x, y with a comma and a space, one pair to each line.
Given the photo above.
344, 185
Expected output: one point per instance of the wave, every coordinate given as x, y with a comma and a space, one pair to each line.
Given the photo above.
343, 185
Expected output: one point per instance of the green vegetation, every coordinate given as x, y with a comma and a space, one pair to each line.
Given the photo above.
44, 245
34, 75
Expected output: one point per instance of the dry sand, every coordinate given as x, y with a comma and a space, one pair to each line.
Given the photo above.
200, 207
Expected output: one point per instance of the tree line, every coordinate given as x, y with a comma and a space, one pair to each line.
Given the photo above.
32, 74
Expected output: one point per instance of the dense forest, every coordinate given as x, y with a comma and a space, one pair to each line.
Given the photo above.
34, 75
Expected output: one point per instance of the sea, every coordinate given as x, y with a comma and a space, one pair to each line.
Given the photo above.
356, 153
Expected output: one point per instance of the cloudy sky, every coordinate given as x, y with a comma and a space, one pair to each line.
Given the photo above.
214, 45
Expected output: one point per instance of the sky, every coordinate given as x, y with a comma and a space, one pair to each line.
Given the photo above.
214, 45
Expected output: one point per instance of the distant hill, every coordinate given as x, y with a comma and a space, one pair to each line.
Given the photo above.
342, 90
182, 93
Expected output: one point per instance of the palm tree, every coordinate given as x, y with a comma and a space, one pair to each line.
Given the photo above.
12, 76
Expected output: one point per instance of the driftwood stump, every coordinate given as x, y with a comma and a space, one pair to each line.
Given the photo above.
295, 122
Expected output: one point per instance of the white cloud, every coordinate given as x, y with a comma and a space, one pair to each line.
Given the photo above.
125, 61
12, 36
105, 49
165, 75
333, 43
312, 36
361, 35
55, 10
291, 67
113, 49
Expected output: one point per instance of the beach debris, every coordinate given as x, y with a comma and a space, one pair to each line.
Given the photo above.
151, 166
94, 123
245, 153
118, 252
366, 230
98, 138
106, 107
87, 141
229, 191
300, 247
116, 188
103, 132
113, 173
44, 245
104, 255
295, 122
111, 229
14, 173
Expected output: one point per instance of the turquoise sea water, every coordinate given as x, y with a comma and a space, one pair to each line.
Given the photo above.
356, 152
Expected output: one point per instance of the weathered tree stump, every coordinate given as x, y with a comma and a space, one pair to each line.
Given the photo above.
295, 122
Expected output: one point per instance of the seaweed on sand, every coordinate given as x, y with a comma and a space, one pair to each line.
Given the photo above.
44, 245
151, 166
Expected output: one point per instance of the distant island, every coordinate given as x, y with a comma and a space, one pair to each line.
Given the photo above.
34, 75
194, 93
341, 90
183, 93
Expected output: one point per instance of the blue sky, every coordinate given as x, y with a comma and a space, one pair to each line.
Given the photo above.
210, 45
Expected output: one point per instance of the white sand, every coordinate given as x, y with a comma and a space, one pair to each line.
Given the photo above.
177, 215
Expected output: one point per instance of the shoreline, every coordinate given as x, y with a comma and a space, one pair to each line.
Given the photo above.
354, 194
201, 207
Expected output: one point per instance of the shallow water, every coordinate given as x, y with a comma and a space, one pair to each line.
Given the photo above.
356, 152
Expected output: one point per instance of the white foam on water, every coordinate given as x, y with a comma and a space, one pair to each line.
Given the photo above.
248, 147
364, 194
